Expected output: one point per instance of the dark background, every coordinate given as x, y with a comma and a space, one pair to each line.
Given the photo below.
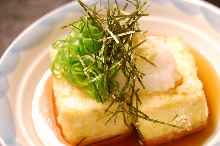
16, 15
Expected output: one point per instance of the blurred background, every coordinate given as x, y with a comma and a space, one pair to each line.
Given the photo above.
16, 15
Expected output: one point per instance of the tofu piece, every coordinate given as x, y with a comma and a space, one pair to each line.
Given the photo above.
184, 106
81, 117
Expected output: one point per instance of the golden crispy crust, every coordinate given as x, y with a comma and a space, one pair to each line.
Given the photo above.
175, 136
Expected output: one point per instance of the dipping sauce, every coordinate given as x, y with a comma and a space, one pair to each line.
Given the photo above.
211, 83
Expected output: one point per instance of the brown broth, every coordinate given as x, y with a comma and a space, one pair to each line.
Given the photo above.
211, 83
47, 102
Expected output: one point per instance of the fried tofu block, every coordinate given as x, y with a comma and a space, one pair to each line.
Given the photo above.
184, 106
81, 118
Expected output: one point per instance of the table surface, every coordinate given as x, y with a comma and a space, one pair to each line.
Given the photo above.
16, 15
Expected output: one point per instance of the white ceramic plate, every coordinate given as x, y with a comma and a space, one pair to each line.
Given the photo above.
27, 58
